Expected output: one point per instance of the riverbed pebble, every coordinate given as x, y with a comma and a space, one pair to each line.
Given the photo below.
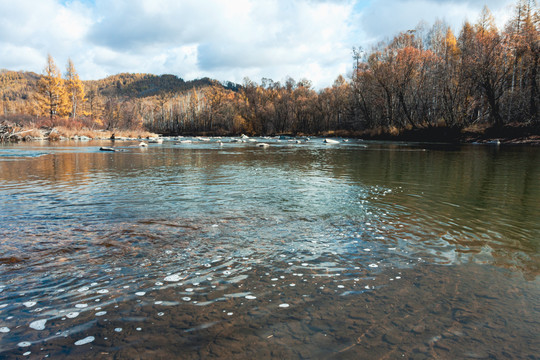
84, 341
38, 324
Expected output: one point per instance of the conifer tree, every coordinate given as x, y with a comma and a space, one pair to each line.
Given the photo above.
52, 97
74, 89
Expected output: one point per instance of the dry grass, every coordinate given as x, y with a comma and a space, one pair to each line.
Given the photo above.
476, 128
54, 136
59, 132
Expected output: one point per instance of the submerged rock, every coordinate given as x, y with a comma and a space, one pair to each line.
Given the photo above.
104, 148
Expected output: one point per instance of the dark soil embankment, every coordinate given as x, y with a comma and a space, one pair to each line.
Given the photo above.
507, 134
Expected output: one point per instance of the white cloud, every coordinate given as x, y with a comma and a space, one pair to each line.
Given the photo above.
386, 18
226, 40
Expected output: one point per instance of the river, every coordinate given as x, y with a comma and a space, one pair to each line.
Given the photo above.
356, 250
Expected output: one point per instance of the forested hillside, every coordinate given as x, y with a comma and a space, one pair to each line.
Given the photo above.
424, 78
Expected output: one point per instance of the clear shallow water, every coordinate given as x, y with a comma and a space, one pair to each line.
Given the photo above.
357, 250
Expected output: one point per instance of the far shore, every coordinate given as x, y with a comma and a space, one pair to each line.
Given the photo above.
510, 134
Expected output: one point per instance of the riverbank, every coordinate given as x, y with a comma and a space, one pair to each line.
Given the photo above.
515, 134
13, 132
510, 134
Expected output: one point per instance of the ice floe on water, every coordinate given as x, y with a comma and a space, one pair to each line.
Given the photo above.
118, 329
140, 293
4, 329
85, 341
29, 304
81, 306
38, 324
24, 344
283, 305
250, 297
72, 314
101, 313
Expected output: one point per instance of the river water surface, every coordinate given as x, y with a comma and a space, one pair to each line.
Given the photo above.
357, 250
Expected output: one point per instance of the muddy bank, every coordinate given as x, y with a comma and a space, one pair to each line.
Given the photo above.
508, 134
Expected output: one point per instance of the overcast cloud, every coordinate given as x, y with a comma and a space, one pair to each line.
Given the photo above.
225, 40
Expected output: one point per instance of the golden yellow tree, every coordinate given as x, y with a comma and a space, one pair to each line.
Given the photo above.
74, 89
52, 97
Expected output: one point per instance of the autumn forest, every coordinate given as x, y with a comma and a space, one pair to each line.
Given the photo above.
424, 78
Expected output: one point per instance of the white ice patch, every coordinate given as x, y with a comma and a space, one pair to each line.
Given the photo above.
118, 329
283, 305
103, 291
140, 293
4, 329
38, 324
84, 288
186, 298
24, 344
80, 306
101, 313
250, 297
373, 265
29, 304
72, 315
84, 341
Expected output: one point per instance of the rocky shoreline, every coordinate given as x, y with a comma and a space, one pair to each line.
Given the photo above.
506, 135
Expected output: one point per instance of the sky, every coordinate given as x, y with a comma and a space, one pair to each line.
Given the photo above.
226, 40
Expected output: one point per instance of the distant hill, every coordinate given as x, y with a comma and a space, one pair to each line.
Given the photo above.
16, 86
144, 85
